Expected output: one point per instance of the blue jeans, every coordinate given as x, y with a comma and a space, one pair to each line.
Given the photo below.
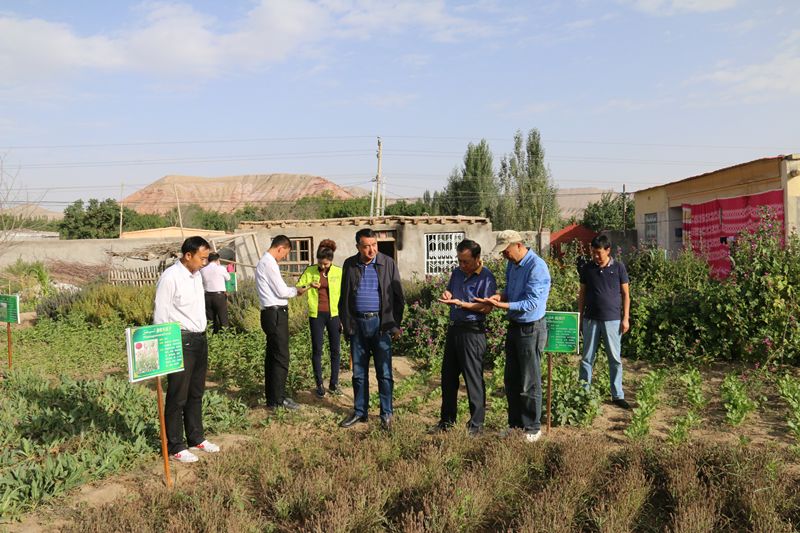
523, 374
369, 341
612, 339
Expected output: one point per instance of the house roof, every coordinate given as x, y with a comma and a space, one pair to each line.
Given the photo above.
363, 221
571, 233
774, 158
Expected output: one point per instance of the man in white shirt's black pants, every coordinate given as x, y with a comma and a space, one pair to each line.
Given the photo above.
274, 294
180, 298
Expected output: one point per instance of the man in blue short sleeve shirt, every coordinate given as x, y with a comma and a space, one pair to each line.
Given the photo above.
465, 344
604, 302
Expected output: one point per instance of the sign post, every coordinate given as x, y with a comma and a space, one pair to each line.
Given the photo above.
562, 337
232, 285
9, 312
154, 351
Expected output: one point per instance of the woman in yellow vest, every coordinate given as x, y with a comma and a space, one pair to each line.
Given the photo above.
325, 283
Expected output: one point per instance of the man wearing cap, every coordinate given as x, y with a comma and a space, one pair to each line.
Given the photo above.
525, 299
465, 344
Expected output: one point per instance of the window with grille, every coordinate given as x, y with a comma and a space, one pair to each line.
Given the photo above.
299, 257
440, 252
651, 227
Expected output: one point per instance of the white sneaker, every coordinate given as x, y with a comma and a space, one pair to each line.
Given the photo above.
207, 446
184, 457
533, 437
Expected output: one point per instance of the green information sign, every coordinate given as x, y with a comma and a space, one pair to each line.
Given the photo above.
562, 332
232, 284
9, 308
154, 351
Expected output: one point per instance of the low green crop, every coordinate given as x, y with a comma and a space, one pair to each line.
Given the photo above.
647, 398
736, 400
55, 436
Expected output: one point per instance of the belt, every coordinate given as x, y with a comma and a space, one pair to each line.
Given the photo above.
371, 314
215, 292
475, 326
188, 333
276, 308
513, 324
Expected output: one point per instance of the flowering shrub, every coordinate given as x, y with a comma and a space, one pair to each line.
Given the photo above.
680, 313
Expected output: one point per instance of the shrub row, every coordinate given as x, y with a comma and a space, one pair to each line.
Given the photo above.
56, 436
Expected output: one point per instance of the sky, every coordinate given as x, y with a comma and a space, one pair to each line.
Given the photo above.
99, 98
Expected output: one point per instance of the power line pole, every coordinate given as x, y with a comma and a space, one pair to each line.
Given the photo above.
624, 209
178, 202
379, 194
121, 192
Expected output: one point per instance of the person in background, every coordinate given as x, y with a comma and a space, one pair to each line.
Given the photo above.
214, 277
273, 294
325, 282
604, 302
179, 298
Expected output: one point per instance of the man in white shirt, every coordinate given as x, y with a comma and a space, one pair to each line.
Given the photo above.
214, 277
274, 294
179, 298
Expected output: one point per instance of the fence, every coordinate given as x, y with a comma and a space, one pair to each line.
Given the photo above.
137, 277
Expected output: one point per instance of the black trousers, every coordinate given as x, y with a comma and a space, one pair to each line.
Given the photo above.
318, 325
464, 349
185, 389
217, 310
275, 324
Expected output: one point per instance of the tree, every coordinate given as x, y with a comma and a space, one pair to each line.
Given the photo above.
607, 213
98, 220
472, 189
535, 194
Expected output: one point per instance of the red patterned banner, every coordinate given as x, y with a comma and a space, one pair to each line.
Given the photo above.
709, 227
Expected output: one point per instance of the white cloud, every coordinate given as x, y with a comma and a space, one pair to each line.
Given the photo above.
759, 81
176, 40
671, 7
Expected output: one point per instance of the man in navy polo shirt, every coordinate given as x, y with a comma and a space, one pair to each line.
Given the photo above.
604, 302
465, 345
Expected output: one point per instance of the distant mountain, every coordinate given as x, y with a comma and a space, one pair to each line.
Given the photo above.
32, 211
227, 194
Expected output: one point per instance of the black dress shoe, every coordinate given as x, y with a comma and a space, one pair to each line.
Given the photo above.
320, 391
352, 420
387, 422
441, 427
619, 402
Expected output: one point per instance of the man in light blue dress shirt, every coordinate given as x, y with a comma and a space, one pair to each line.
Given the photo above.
525, 299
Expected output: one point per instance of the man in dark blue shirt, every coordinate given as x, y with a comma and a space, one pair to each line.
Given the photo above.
465, 344
525, 299
604, 302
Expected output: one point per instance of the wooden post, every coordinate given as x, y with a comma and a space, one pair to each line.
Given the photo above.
549, 389
164, 452
8, 329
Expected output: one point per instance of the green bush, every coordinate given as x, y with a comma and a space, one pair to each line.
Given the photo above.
677, 308
102, 304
